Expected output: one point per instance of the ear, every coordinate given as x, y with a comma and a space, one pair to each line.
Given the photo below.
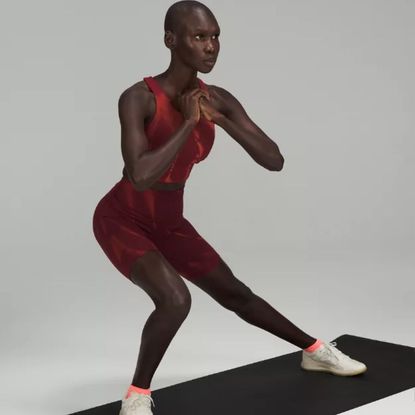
169, 39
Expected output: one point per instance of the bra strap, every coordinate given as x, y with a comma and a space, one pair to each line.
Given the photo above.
202, 85
153, 86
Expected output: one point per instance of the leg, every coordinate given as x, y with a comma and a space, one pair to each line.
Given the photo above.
234, 295
196, 260
172, 299
124, 234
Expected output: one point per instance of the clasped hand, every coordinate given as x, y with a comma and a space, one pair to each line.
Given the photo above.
208, 109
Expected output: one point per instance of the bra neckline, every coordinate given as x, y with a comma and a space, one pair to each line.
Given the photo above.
163, 93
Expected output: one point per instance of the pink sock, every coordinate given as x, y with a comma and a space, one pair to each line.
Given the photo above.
133, 388
314, 346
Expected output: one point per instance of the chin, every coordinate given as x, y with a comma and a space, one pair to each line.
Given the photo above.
204, 70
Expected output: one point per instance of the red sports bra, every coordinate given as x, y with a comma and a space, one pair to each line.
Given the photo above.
166, 120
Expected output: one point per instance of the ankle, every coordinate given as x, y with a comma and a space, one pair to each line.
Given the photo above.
136, 389
312, 348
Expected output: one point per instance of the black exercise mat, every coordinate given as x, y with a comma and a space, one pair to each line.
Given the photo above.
279, 386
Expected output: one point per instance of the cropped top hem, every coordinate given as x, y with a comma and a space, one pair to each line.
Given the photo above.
125, 179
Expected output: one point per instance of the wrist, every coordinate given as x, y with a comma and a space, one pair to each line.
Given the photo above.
190, 122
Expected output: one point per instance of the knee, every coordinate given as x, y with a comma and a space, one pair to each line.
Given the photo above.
176, 302
238, 299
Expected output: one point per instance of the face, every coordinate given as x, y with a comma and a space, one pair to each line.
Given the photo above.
197, 45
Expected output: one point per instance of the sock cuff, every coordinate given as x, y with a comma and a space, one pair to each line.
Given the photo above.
314, 346
133, 388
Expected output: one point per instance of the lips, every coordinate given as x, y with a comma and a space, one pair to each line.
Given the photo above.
210, 61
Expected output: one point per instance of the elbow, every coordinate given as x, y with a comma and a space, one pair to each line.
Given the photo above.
140, 185
278, 164
139, 182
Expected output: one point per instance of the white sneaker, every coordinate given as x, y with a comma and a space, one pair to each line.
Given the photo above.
329, 359
137, 404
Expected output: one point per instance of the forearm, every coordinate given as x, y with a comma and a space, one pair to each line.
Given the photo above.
260, 147
153, 164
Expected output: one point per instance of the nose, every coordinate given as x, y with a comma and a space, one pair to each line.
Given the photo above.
209, 47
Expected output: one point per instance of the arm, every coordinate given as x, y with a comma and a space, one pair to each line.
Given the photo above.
144, 167
229, 114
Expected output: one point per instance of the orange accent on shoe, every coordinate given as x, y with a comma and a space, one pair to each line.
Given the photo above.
314, 346
133, 388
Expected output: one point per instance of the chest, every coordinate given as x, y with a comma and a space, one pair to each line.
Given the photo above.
167, 121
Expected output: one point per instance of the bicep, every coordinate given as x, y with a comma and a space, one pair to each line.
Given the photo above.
134, 141
236, 113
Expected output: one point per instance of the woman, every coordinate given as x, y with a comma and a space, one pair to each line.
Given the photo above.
167, 125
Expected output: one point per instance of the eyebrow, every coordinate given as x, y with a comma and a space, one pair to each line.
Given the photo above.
204, 30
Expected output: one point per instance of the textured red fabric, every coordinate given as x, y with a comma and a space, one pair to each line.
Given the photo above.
128, 223
165, 122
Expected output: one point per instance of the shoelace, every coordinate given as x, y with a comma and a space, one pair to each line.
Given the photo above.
141, 399
335, 351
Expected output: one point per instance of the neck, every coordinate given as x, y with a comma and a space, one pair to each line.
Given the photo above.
178, 78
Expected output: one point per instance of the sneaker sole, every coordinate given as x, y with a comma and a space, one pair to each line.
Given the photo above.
332, 371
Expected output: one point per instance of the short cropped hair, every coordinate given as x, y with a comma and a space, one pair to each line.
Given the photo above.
179, 10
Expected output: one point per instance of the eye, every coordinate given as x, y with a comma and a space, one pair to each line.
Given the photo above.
199, 36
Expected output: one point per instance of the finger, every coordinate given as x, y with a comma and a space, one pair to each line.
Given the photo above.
205, 114
203, 95
207, 93
204, 107
204, 98
194, 94
198, 91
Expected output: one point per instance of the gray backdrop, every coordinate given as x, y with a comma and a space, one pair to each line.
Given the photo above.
328, 241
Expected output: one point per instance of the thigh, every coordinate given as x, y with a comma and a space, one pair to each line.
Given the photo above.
187, 251
132, 251
119, 237
222, 285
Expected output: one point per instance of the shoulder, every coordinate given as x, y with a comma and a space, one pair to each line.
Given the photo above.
222, 99
218, 91
137, 97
